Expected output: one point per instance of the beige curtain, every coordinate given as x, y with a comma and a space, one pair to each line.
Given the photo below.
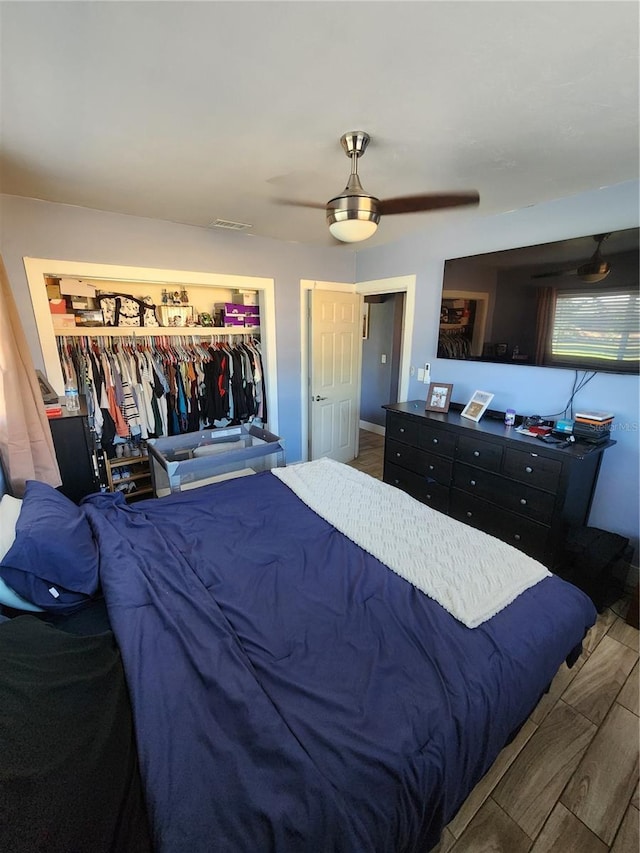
544, 324
26, 446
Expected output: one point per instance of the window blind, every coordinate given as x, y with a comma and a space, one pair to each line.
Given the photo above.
599, 327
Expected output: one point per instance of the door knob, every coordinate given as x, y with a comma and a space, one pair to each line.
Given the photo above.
318, 398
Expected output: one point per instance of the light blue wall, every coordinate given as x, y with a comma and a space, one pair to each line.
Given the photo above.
40, 229
529, 390
45, 230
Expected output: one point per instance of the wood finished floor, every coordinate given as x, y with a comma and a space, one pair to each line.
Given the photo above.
568, 783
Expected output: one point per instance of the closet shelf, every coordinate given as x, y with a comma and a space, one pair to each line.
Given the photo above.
145, 331
134, 477
147, 490
139, 471
127, 460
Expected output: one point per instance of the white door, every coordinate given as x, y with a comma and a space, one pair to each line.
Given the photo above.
335, 354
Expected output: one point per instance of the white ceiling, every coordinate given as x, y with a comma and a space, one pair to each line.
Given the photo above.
195, 111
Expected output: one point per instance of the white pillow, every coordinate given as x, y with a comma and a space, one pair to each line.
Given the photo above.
9, 512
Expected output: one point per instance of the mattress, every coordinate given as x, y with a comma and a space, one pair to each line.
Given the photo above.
290, 692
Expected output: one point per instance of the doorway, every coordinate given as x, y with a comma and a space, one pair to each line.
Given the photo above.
381, 349
399, 284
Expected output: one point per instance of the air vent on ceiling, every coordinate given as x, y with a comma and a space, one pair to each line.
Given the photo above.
231, 226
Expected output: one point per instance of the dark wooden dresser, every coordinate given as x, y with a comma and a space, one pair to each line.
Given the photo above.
512, 486
76, 454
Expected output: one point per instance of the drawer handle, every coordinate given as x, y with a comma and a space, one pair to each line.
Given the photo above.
529, 469
476, 453
517, 537
397, 482
398, 454
435, 440
428, 497
401, 429
523, 501
472, 482
469, 514
431, 467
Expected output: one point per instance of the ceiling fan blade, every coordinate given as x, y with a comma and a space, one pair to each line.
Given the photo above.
426, 201
317, 205
554, 274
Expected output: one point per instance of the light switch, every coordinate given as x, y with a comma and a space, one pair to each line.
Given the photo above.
420, 374
383, 358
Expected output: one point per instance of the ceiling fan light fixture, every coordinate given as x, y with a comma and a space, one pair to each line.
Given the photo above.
596, 268
354, 215
353, 218
353, 230
594, 277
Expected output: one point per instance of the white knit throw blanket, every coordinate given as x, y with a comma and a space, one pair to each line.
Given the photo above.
471, 574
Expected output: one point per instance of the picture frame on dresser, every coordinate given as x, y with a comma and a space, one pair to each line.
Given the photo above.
438, 397
477, 405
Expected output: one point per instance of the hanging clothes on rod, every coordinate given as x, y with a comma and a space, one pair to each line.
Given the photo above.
453, 343
147, 386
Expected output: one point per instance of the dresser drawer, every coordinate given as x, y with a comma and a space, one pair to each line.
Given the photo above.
535, 470
427, 491
423, 463
435, 467
436, 496
408, 481
402, 454
525, 500
437, 441
401, 429
522, 533
516, 497
482, 454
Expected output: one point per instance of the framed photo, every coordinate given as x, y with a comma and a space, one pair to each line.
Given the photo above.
477, 405
438, 397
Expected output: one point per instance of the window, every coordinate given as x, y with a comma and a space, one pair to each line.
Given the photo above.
597, 327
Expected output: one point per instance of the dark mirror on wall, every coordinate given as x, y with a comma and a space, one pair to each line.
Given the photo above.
572, 304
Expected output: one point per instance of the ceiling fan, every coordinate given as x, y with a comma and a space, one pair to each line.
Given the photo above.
354, 215
594, 270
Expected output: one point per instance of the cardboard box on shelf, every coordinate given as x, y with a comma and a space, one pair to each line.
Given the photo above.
76, 287
232, 313
64, 321
246, 297
89, 318
58, 306
53, 291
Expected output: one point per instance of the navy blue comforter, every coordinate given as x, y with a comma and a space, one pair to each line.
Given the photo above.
290, 692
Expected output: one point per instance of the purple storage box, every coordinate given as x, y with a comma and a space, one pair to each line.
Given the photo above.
251, 310
232, 308
251, 322
233, 320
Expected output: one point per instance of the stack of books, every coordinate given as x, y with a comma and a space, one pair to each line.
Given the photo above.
53, 410
594, 427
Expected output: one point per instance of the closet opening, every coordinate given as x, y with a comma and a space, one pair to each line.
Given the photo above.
183, 351
205, 288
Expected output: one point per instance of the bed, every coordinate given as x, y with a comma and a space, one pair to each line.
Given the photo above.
290, 691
